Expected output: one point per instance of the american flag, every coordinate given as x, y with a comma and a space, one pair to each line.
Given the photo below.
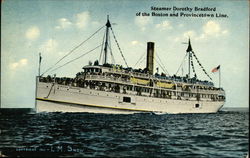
216, 69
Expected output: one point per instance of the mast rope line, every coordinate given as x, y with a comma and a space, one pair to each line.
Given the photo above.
181, 64
100, 57
110, 49
77, 58
141, 57
118, 46
201, 66
73, 50
166, 71
160, 65
112, 56
192, 64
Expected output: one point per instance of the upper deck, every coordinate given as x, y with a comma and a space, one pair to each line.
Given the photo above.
117, 75
117, 71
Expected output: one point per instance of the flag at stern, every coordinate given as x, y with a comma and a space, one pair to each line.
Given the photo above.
216, 69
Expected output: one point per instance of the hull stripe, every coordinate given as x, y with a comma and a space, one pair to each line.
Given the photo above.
91, 105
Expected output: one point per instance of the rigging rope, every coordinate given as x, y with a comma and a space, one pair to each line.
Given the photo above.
141, 57
112, 56
181, 64
76, 58
102, 48
118, 46
73, 50
165, 70
201, 66
160, 65
192, 64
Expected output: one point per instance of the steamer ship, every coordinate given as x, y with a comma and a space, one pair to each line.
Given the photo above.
110, 88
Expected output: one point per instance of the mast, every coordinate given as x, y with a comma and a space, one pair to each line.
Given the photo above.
189, 51
108, 25
189, 56
39, 68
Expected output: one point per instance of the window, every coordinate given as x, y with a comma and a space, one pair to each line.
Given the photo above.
197, 105
127, 99
142, 89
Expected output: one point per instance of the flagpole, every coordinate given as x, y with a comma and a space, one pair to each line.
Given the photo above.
219, 77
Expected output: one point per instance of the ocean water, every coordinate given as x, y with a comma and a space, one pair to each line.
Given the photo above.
224, 134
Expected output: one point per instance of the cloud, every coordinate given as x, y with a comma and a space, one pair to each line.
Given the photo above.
225, 32
95, 23
13, 65
134, 42
212, 29
49, 46
180, 25
142, 22
177, 39
63, 23
190, 34
23, 62
20, 63
32, 33
165, 25
82, 19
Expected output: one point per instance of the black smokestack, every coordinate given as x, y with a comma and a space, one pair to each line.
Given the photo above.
150, 57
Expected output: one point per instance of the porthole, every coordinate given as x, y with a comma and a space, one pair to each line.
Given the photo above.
197, 105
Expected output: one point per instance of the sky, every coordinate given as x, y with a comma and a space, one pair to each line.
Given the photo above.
55, 27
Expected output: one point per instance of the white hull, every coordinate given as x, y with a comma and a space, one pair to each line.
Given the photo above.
74, 99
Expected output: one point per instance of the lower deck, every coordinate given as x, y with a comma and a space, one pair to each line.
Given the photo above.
111, 101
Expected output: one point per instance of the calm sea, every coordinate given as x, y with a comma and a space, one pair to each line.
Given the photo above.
224, 134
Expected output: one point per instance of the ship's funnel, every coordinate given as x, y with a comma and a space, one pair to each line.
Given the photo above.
150, 57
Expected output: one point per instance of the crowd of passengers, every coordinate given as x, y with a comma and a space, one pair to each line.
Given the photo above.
80, 82
184, 79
